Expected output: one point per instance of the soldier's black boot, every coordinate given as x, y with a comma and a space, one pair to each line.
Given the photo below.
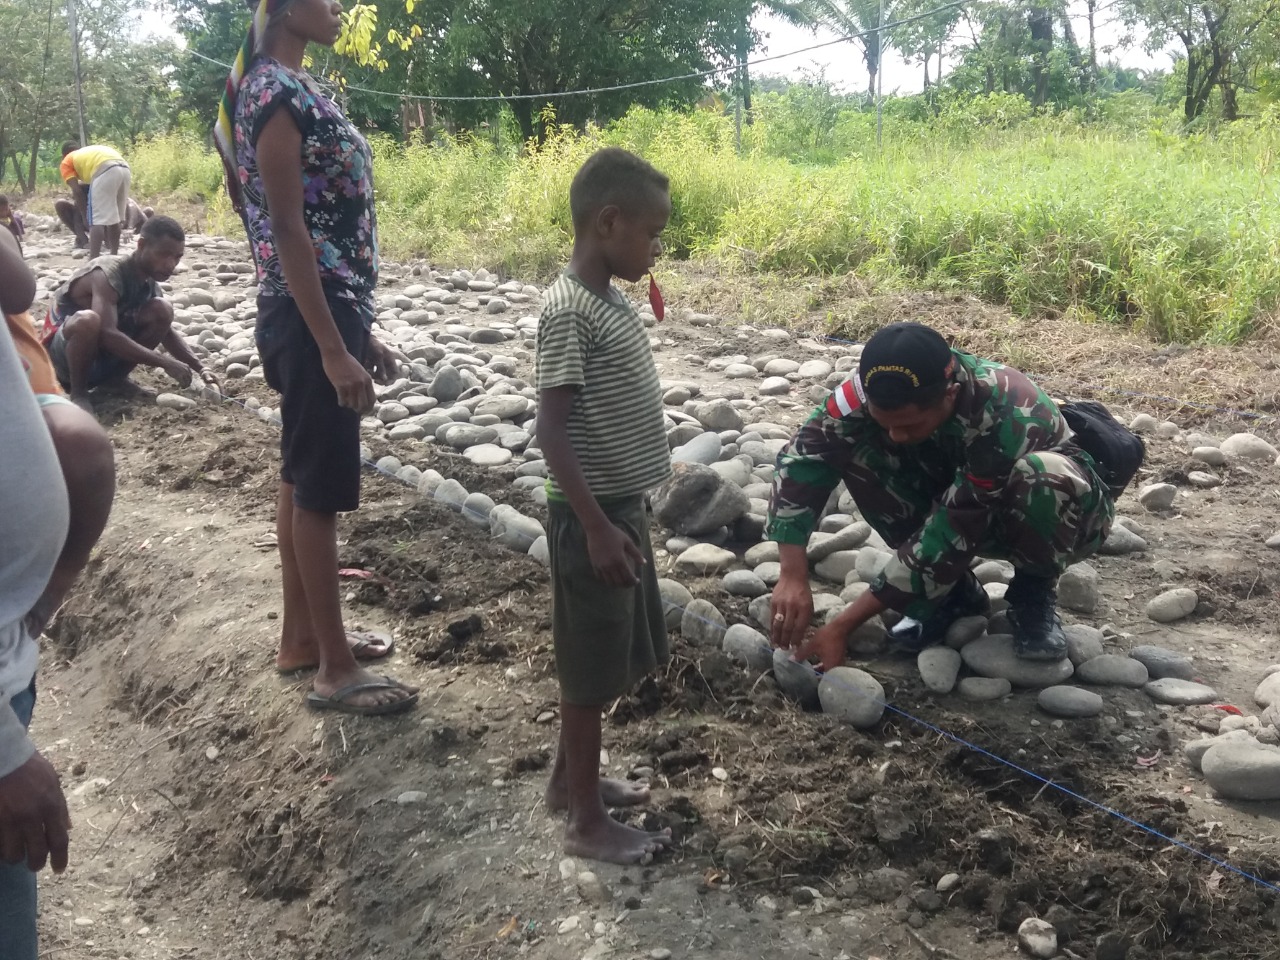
966, 599
1037, 631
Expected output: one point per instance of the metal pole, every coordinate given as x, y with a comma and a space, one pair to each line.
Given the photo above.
880, 77
75, 66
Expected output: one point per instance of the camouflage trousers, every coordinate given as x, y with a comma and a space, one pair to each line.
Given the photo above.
1054, 511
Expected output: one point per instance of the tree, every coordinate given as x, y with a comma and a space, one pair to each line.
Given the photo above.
922, 40
861, 17
1214, 35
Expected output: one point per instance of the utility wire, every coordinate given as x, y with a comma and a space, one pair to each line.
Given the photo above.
700, 75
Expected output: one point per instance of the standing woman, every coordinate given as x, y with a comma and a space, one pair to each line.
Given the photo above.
301, 177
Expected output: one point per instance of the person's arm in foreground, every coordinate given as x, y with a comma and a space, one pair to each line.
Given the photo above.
279, 150
613, 556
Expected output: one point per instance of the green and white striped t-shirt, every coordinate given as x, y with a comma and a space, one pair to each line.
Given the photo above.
615, 425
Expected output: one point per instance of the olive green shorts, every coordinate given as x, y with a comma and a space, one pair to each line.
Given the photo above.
606, 638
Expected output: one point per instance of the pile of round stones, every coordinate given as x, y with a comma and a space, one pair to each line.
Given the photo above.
467, 342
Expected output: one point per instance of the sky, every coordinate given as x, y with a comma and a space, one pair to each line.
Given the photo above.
841, 64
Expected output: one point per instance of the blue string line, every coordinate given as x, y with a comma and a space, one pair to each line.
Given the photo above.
1243, 414
923, 723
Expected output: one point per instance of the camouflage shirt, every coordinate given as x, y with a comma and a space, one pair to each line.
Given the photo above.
1000, 417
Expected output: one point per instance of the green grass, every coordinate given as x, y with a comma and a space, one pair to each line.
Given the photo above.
1176, 236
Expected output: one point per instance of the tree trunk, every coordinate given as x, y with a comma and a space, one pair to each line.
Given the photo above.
744, 76
1230, 108
1040, 24
523, 112
1092, 6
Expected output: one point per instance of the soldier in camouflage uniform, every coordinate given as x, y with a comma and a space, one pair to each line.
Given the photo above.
948, 457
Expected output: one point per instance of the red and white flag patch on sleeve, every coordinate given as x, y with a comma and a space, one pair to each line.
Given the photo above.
846, 398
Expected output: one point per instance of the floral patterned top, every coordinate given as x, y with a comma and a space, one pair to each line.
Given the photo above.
337, 180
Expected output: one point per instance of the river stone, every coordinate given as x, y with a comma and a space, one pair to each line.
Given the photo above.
1038, 938
447, 385
1121, 540
702, 624
775, 386
488, 455
1243, 771
513, 529
451, 493
994, 657
761, 553
1112, 670
1157, 496
980, 689
1268, 691
1066, 701
770, 572
697, 500
406, 431
392, 412
704, 448
743, 583
1194, 750
836, 567
799, 681
1210, 455
780, 367
871, 561
705, 558
748, 646
814, 369
1078, 588
1180, 692
846, 538
675, 597
939, 667
463, 435
175, 401
852, 695
1172, 605
1083, 642
477, 508
504, 407
718, 415
1245, 446
740, 371
1161, 662
964, 630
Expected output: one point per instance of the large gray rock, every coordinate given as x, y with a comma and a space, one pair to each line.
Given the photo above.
1268, 691
451, 493
939, 667
1157, 496
836, 567
965, 630
1161, 662
698, 500
1112, 670
981, 689
1246, 446
504, 407
850, 537
1180, 692
463, 435
994, 657
705, 558
675, 597
513, 529
1243, 771
1072, 702
748, 647
447, 385
1083, 642
703, 448
799, 681
719, 415
744, 583
761, 553
1194, 750
1120, 541
1078, 589
702, 624
852, 695
1172, 605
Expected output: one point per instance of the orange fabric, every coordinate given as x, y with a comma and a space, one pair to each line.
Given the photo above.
35, 360
67, 168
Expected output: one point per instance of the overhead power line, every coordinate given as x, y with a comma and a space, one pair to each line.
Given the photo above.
614, 88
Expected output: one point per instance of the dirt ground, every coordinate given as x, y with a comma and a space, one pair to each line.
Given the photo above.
216, 818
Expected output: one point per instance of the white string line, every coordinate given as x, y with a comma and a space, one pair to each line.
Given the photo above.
700, 75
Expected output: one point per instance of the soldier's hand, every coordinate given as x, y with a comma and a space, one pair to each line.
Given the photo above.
792, 612
828, 645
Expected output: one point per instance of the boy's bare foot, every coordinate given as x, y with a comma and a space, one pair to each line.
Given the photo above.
608, 840
613, 793
366, 646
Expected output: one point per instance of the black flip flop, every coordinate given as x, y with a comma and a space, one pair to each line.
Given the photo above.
337, 701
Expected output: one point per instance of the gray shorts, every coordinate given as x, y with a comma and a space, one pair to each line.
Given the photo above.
606, 638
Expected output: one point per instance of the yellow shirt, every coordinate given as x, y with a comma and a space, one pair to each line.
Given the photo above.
84, 163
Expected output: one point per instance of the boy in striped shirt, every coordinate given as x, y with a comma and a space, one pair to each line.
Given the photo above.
600, 426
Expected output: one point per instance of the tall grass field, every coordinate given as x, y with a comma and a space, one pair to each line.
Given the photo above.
1177, 235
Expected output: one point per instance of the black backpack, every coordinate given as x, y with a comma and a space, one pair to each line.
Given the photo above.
1116, 450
